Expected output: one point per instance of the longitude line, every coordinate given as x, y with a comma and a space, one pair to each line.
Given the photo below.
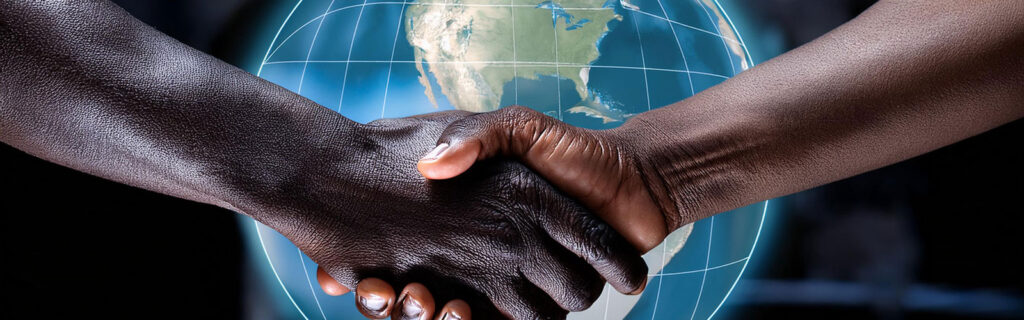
680, 24
724, 45
259, 235
643, 61
391, 63
657, 297
309, 52
304, 25
662, 274
256, 224
351, 43
267, 55
302, 79
515, 55
707, 261
607, 300
764, 213
558, 73
309, 281
675, 36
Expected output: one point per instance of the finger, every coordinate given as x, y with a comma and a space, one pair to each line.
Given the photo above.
509, 131
447, 161
523, 300
587, 165
593, 240
374, 298
415, 303
455, 310
331, 287
565, 277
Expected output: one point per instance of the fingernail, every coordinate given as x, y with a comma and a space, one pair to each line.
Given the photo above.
373, 304
436, 153
450, 316
410, 309
639, 290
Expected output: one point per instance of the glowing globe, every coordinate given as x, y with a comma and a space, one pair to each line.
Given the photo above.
590, 63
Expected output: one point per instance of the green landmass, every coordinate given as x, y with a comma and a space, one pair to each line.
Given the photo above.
474, 50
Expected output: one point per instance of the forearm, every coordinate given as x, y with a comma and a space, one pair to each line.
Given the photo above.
902, 79
89, 87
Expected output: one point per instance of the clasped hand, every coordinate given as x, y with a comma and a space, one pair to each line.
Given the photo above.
494, 235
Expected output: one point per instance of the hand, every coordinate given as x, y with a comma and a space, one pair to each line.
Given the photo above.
600, 168
497, 235
415, 301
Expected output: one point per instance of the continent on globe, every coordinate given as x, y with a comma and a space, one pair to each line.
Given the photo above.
473, 51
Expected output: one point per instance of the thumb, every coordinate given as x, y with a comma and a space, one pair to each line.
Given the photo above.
449, 159
479, 136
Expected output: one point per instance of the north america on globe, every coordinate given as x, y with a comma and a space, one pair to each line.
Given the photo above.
474, 51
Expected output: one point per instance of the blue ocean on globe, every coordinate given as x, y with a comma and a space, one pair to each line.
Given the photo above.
590, 63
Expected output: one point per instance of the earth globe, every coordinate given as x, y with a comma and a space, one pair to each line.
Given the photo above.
590, 63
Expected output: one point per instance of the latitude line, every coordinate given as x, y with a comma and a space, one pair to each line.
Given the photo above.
662, 274
504, 64
681, 24
303, 26
283, 26
267, 55
274, 51
351, 44
309, 52
407, 3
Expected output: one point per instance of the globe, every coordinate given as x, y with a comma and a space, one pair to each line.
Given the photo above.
590, 63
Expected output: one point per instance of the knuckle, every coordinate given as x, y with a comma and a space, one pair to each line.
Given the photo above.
517, 111
580, 300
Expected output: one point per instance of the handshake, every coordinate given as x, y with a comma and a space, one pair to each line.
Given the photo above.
510, 213
474, 225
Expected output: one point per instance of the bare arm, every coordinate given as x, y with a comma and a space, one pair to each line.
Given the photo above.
902, 79
85, 85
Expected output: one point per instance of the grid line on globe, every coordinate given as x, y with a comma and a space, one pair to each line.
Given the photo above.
600, 104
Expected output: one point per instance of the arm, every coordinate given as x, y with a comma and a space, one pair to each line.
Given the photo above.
89, 87
85, 85
902, 79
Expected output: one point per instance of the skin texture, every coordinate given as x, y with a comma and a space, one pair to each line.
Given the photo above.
89, 87
416, 296
902, 79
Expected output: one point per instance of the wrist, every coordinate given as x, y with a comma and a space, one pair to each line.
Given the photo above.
638, 137
274, 178
694, 168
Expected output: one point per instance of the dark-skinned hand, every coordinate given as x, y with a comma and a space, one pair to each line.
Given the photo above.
497, 234
602, 169
87, 86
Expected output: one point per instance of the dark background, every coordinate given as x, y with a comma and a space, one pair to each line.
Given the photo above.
936, 237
